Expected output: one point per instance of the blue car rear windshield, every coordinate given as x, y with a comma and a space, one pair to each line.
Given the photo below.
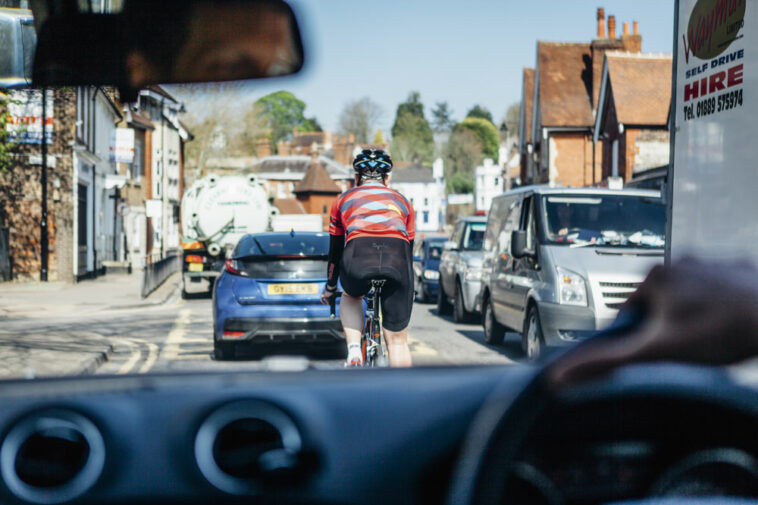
285, 244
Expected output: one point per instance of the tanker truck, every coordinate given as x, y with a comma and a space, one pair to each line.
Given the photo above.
216, 212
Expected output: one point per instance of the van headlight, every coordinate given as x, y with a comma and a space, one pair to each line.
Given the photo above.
431, 275
572, 289
473, 274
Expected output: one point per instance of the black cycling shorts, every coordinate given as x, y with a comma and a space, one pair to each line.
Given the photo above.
368, 258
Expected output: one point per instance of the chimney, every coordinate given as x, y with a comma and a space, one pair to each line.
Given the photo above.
626, 29
600, 23
352, 138
612, 27
636, 28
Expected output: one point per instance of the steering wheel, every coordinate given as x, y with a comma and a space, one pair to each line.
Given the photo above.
498, 433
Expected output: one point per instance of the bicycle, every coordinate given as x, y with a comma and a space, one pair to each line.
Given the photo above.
373, 344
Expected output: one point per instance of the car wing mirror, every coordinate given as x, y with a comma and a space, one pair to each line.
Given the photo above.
518, 245
169, 41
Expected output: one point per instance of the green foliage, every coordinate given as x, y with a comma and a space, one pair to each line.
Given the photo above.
378, 138
413, 139
462, 153
412, 106
280, 112
480, 112
485, 131
310, 124
460, 182
7, 148
442, 120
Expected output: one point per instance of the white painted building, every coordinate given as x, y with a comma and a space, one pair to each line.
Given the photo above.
425, 192
96, 181
488, 183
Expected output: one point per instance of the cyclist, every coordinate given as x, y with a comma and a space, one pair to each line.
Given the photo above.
372, 228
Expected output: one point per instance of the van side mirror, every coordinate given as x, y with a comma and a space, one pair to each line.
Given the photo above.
518, 244
450, 246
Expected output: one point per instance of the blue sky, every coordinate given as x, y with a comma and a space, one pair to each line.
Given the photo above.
461, 51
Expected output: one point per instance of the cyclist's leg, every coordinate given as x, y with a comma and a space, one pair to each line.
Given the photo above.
351, 314
397, 346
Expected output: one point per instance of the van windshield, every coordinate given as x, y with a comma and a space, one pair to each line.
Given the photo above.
609, 220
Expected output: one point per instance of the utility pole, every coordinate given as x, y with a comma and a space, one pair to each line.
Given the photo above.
43, 224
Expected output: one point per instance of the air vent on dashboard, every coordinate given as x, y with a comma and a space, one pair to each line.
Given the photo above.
52, 456
244, 443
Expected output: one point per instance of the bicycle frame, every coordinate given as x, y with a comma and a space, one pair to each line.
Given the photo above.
373, 345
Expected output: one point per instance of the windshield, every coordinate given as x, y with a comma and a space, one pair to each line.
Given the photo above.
181, 213
605, 220
473, 237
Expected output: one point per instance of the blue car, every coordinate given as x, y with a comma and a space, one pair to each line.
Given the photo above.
426, 265
267, 298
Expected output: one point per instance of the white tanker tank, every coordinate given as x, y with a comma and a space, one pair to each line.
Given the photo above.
216, 212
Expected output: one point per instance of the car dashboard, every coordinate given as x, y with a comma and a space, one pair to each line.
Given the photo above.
368, 436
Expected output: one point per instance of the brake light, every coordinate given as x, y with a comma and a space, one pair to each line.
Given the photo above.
232, 266
193, 245
193, 258
234, 334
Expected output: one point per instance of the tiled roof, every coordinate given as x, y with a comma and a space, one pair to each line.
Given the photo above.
641, 87
565, 83
412, 173
300, 164
289, 206
528, 84
316, 180
140, 120
307, 139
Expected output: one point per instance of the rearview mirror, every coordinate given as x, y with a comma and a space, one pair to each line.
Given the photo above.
170, 41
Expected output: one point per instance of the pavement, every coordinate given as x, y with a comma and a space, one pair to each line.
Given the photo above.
44, 328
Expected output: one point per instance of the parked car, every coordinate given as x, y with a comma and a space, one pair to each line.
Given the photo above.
268, 296
558, 263
426, 267
461, 269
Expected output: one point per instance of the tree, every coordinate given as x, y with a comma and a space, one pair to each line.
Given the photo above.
460, 182
462, 153
412, 106
485, 131
360, 117
310, 124
512, 119
442, 120
480, 112
281, 112
414, 141
378, 138
412, 137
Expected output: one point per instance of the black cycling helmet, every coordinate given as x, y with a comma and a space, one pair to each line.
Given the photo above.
372, 163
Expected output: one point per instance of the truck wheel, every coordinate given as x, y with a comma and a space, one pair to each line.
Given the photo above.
532, 339
223, 351
443, 306
460, 314
494, 332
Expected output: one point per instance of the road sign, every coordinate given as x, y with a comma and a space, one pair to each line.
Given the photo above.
122, 209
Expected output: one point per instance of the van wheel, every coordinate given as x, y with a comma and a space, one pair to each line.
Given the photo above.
532, 339
443, 306
494, 332
420, 295
460, 314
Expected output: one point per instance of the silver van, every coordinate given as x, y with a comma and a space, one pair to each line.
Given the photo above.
559, 262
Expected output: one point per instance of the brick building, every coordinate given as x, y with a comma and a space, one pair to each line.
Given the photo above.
558, 149
317, 191
632, 118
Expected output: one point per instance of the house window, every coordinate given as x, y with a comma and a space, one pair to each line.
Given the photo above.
497, 181
137, 170
323, 210
426, 202
426, 216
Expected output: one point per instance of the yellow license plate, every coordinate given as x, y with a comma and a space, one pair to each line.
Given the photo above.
195, 267
292, 289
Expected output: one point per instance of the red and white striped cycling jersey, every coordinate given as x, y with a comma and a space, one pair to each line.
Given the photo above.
372, 210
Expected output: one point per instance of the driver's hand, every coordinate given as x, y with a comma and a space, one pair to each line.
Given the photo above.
694, 312
328, 293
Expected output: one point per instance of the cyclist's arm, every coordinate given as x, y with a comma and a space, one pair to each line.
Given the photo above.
336, 244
